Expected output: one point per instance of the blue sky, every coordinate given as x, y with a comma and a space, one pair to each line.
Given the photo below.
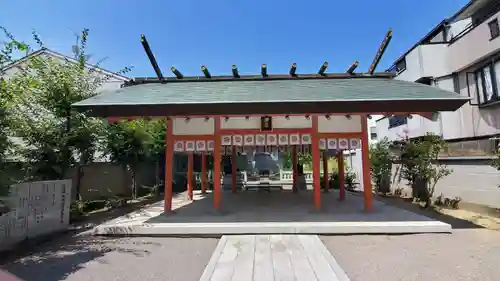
219, 33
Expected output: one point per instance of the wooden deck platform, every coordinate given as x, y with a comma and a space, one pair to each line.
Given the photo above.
272, 257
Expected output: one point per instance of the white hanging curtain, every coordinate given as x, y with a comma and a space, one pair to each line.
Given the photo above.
488, 84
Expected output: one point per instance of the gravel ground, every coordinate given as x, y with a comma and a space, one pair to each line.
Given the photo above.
466, 254
110, 259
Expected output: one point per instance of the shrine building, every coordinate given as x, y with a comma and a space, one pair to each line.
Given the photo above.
321, 113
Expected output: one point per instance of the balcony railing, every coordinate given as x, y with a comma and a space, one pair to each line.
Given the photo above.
472, 46
486, 17
462, 33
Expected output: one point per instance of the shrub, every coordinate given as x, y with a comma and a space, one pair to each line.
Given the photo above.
420, 167
334, 180
76, 211
381, 160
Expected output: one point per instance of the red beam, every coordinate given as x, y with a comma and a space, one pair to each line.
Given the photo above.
216, 161
325, 170
258, 131
203, 172
169, 157
365, 154
190, 176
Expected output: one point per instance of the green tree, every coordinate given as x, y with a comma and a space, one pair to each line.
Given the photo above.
302, 158
495, 163
420, 167
287, 161
130, 143
56, 137
381, 165
9, 49
158, 130
5, 142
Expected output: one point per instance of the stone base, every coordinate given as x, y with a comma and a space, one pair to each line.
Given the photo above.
167, 229
270, 213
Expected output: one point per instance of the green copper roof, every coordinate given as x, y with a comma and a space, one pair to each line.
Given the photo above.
278, 95
290, 90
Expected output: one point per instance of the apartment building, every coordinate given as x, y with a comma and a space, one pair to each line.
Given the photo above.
372, 128
460, 54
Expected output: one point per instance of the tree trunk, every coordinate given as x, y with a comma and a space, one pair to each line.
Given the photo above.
67, 152
426, 195
157, 178
126, 179
134, 183
79, 176
157, 173
385, 184
414, 188
420, 191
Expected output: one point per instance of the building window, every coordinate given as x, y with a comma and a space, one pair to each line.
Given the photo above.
401, 65
456, 83
425, 81
494, 28
488, 83
496, 70
373, 136
396, 121
485, 80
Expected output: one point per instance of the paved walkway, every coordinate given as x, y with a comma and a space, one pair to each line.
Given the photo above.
466, 254
89, 258
272, 257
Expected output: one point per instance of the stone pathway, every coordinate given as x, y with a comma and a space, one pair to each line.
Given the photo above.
272, 257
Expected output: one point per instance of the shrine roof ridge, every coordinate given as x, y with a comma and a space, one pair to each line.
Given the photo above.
271, 77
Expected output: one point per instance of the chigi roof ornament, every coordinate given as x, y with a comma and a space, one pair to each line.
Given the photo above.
264, 73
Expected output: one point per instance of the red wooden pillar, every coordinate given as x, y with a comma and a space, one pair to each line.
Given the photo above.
367, 180
217, 160
233, 169
203, 173
294, 168
325, 170
340, 162
169, 157
190, 176
315, 162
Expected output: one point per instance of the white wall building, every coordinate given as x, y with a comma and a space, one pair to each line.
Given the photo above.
461, 54
114, 82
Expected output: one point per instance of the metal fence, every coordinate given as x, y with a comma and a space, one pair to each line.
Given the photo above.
36, 208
